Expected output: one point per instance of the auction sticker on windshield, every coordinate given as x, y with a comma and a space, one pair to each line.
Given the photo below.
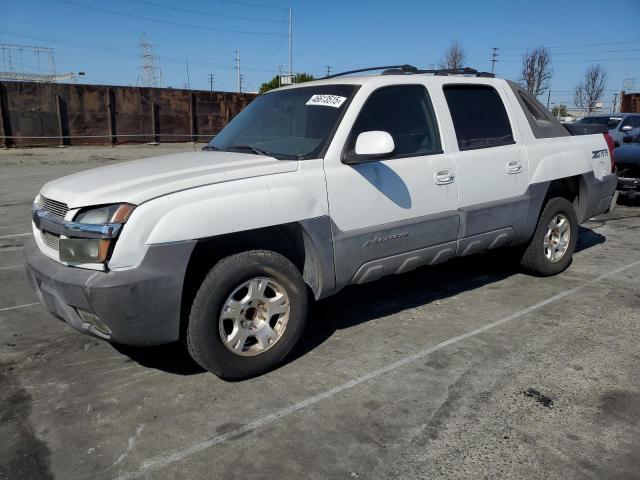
327, 100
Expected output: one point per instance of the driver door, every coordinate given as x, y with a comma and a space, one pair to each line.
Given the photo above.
394, 214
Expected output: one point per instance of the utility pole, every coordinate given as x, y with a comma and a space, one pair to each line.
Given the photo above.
290, 43
494, 59
240, 84
211, 82
186, 62
238, 69
548, 98
328, 70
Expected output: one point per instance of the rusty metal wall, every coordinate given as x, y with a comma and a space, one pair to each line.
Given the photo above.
630, 103
72, 114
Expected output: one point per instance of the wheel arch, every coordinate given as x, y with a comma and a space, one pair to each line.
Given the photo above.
307, 244
574, 189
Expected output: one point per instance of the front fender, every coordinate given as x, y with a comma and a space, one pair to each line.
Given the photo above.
223, 208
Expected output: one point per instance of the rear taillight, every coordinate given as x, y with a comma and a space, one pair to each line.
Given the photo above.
611, 148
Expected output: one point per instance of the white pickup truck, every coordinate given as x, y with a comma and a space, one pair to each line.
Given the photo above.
311, 188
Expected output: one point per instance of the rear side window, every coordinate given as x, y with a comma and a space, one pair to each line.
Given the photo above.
479, 116
406, 113
542, 123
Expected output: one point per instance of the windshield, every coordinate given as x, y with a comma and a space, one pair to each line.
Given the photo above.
610, 122
295, 123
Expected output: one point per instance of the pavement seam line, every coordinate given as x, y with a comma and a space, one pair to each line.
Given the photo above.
161, 462
12, 267
15, 307
15, 235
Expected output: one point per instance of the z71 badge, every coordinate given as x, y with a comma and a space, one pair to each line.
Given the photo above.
599, 153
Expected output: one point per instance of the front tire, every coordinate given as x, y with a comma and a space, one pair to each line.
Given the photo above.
249, 312
554, 240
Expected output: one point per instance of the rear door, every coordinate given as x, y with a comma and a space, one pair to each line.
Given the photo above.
492, 166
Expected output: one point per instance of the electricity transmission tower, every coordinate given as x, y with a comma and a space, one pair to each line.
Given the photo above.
150, 75
494, 58
15, 68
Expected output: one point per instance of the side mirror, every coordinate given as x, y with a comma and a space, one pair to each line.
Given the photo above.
626, 128
371, 146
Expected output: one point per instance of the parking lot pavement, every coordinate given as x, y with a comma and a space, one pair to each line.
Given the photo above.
468, 369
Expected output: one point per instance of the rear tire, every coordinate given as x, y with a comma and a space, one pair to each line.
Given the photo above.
249, 312
551, 248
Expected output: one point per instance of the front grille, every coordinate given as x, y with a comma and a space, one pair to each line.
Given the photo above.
628, 170
51, 240
53, 207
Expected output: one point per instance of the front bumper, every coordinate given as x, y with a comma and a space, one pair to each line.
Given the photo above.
140, 306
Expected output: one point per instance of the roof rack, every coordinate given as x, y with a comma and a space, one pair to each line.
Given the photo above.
410, 70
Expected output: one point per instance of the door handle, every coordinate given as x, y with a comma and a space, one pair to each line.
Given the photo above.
514, 166
444, 177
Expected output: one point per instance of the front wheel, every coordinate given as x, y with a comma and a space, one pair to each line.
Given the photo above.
248, 314
554, 241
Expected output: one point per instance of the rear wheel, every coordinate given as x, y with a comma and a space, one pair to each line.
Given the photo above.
248, 314
554, 241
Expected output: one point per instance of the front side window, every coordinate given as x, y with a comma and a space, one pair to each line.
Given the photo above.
479, 116
295, 123
406, 113
627, 122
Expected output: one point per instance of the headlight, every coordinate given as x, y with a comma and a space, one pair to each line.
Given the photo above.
83, 250
93, 250
117, 213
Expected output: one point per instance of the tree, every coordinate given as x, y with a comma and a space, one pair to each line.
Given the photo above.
560, 111
454, 57
590, 90
536, 71
275, 81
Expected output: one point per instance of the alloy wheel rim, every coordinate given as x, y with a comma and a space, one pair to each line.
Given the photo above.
556, 239
254, 316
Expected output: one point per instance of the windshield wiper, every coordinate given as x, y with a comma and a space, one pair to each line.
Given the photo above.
256, 150
209, 147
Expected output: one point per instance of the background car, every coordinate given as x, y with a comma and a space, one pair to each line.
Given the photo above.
627, 158
619, 124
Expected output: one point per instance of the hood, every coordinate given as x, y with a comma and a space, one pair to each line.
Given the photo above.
141, 180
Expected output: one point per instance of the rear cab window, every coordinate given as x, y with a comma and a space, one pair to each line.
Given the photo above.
479, 116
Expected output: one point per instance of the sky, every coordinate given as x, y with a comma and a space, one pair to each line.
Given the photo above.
102, 38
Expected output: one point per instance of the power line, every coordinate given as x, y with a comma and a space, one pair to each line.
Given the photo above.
94, 48
625, 42
596, 60
165, 22
207, 14
249, 4
592, 53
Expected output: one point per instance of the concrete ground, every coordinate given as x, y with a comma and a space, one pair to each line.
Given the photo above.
466, 370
